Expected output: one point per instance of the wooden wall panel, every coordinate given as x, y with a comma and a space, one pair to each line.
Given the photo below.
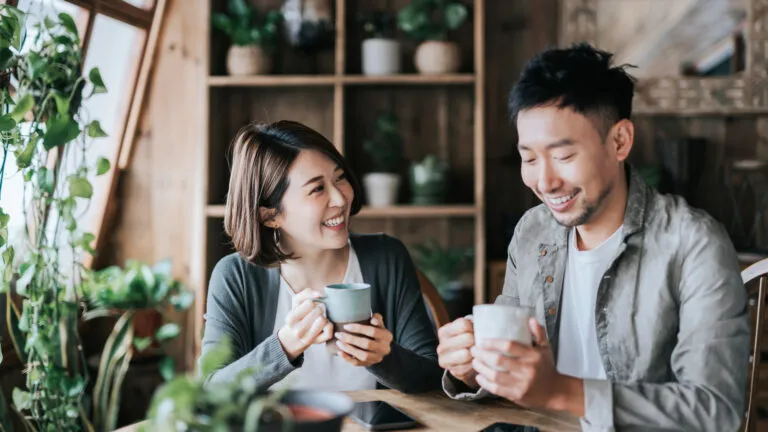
157, 193
234, 107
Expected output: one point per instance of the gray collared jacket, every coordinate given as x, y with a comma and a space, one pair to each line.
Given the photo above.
671, 315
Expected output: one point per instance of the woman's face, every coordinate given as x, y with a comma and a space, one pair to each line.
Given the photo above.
316, 205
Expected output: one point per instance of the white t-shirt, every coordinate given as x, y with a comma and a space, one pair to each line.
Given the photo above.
578, 353
321, 370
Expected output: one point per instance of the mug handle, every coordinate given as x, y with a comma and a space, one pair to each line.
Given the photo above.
322, 299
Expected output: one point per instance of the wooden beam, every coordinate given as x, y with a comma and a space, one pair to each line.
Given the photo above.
137, 104
120, 11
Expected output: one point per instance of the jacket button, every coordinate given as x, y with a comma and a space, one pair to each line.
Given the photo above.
549, 279
543, 252
551, 311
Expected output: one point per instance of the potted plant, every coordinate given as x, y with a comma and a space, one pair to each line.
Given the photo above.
45, 285
381, 52
429, 22
385, 149
429, 180
192, 403
443, 266
253, 37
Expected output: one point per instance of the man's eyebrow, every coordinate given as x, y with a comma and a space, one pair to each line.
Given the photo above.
560, 143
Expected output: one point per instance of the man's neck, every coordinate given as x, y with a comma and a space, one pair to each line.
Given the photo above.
315, 268
604, 223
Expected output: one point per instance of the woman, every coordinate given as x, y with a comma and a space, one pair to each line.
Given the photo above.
291, 195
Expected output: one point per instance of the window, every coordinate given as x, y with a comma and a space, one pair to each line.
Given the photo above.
119, 38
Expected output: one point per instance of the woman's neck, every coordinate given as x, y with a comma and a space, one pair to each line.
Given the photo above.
316, 269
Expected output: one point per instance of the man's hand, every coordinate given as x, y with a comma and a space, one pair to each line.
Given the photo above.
527, 375
453, 353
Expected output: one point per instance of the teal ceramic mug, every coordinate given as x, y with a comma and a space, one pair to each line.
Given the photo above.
346, 303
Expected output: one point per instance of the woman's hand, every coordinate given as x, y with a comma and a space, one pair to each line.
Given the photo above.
304, 325
363, 345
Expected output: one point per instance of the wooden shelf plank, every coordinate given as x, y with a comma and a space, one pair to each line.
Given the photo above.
412, 211
272, 81
399, 211
414, 79
329, 80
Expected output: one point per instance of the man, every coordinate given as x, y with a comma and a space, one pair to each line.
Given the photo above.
645, 316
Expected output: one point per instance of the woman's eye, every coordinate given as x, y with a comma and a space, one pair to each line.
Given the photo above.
342, 177
317, 189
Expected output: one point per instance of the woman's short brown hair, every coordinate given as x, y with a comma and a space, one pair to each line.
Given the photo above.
262, 154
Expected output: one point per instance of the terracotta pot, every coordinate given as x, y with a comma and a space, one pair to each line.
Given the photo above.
248, 60
437, 57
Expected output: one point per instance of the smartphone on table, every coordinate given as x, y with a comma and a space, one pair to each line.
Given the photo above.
379, 415
510, 427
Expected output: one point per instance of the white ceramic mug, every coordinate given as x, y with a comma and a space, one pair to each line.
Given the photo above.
496, 321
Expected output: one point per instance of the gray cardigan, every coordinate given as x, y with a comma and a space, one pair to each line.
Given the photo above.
242, 302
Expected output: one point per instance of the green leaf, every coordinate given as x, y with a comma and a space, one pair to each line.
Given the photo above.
95, 130
24, 159
142, 343
4, 218
8, 255
102, 166
85, 242
6, 58
45, 178
48, 22
21, 399
62, 102
167, 331
23, 105
3, 236
183, 300
27, 272
7, 123
239, 9
73, 386
454, 15
167, 368
163, 268
215, 358
80, 187
59, 131
36, 64
69, 24
223, 23
66, 208
98, 83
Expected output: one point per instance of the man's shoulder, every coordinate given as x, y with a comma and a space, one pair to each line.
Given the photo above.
673, 214
536, 226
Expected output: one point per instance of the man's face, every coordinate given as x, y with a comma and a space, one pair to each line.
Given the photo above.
567, 163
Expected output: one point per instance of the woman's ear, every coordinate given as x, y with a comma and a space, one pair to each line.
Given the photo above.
267, 217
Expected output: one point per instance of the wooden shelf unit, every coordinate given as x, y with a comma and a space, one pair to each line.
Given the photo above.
323, 99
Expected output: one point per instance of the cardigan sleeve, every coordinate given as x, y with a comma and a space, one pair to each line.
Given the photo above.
226, 317
412, 364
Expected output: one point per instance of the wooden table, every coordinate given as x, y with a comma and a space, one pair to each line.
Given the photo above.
436, 412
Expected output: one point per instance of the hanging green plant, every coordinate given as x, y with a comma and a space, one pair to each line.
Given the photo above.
44, 124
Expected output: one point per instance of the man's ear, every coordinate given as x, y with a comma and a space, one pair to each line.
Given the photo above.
267, 217
622, 136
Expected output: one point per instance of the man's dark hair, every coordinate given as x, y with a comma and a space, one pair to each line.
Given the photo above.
580, 78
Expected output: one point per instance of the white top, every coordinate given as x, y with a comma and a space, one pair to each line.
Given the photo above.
578, 353
321, 370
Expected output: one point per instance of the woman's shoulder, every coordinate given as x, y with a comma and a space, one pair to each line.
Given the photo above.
379, 247
233, 269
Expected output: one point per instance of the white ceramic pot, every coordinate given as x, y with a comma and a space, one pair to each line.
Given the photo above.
437, 57
381, 188
381, 56
248, 60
